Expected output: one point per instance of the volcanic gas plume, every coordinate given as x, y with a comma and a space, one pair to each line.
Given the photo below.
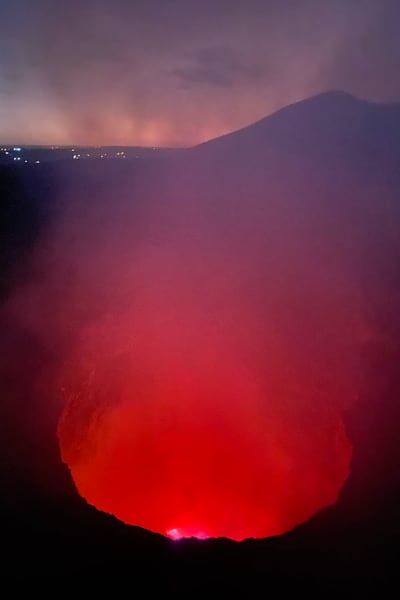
204, 387
208, 348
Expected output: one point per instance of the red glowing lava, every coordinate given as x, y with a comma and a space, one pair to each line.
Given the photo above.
197, 447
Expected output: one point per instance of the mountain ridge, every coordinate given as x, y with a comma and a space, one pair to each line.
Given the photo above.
334, 117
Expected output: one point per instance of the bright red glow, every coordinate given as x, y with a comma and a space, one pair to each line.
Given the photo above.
205, 396
196, 447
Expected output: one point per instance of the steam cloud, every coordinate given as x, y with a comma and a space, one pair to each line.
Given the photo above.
207, 344
204, 320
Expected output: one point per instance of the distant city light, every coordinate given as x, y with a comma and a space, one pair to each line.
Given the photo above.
18, 153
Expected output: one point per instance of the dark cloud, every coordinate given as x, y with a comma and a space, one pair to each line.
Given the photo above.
216, 66
368, 55
182, 71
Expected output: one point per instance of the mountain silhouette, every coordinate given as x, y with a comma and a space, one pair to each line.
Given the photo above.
332, 125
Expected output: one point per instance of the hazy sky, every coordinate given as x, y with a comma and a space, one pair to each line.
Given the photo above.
176, 72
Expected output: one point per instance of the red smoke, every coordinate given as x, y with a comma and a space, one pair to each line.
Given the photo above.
208, 350
189, 414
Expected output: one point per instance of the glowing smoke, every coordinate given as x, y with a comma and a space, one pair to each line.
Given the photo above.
209, 321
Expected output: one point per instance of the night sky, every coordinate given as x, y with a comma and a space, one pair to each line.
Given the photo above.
177, 72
